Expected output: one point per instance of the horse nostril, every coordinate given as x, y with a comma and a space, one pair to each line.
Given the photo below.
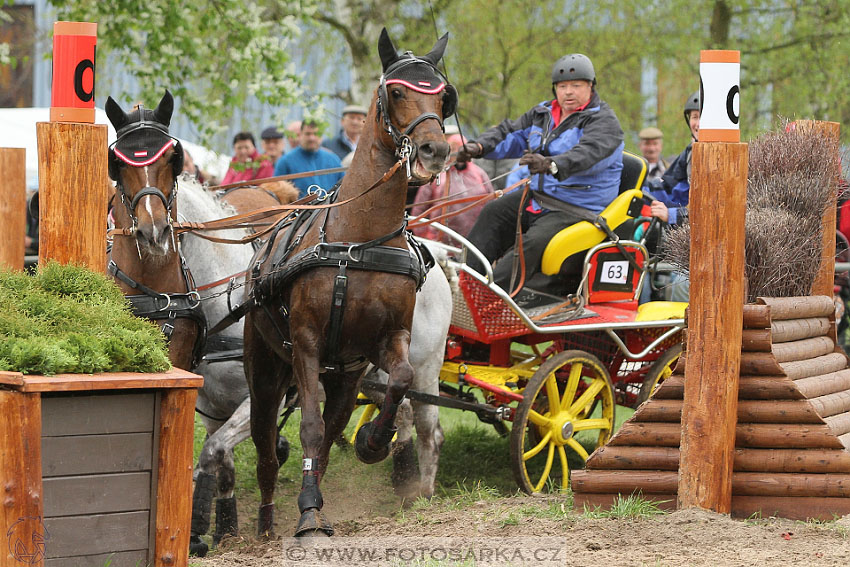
426, 150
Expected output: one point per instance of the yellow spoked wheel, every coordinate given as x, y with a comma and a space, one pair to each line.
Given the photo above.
660, 371
567, 405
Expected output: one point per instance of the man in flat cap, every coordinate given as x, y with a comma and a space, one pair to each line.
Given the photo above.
651, 143
271, 140
353, 119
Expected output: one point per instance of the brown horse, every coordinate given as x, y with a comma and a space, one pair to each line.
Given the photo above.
144, 162
337, 289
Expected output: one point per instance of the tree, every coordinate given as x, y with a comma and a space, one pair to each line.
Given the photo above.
212, 55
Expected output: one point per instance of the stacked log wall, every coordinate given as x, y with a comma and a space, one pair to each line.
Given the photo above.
792, 448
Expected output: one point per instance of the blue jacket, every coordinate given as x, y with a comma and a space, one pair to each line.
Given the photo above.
587, 146
299, 160
339, 145
673, 188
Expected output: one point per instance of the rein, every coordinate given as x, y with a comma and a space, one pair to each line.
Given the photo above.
286, 177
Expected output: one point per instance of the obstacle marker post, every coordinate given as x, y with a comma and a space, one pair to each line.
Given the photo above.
717, 212
13, 201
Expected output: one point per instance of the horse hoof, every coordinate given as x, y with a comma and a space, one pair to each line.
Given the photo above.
197, 547
365, 453
265, 521
313, 524
282, 450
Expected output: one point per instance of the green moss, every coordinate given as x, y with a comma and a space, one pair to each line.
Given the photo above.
68, 319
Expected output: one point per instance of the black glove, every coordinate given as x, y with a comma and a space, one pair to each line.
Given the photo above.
468, 151
536, 163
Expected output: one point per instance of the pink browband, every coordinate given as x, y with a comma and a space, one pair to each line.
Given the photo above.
149, 161
419, 86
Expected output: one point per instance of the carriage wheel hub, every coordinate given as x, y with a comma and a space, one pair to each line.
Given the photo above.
567, 430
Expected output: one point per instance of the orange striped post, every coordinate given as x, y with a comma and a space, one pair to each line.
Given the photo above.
715, 316
72, 96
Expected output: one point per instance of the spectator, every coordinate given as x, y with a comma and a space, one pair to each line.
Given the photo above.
573, 147
271, 140
463, 179
190, 167
309, 156
353, 119
292, 131
247, 164
651, 145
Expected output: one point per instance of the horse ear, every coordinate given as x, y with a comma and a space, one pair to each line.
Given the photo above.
437, 51
164, 109
386, 50
117, 116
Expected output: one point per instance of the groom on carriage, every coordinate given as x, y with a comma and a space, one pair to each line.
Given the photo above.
573, 146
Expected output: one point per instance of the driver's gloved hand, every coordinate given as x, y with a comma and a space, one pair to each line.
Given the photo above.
468, 151
536, 163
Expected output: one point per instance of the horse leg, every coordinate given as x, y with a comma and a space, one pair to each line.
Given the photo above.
404, 457
312, 433
429, 440
372, 443
268, 378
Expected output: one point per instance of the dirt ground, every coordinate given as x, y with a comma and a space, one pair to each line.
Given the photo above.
542, 530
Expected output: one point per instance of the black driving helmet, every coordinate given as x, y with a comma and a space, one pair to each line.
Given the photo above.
573, 67
692, 103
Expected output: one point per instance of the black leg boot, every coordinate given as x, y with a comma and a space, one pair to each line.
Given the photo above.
225, 519
201, 504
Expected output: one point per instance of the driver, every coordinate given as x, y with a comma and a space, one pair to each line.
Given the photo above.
573, 147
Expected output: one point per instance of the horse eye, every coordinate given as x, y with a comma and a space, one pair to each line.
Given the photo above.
397, 94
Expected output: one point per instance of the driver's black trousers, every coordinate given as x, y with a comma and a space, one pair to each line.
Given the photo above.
494, 234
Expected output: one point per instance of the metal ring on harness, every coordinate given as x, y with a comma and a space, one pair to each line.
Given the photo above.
321, 193
353, 259
167, 301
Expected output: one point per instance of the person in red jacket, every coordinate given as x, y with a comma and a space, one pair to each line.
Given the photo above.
247, 163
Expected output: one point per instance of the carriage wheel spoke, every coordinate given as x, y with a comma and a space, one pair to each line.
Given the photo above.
572, 384
537, 448
584, 400
549, 459
553, 394
598, 423
565, 470
578, 448
537, 419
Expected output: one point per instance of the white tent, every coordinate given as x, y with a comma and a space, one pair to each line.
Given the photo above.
17, 130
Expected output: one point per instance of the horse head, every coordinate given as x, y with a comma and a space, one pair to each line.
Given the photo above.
413, 99
147, 188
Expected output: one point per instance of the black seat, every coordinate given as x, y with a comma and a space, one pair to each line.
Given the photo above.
634, 172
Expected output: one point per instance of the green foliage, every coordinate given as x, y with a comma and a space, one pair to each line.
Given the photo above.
68, 319
632, 506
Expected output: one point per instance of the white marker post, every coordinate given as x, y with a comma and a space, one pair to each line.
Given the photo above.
715, 316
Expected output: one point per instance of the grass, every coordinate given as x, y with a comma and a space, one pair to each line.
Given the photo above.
632, 506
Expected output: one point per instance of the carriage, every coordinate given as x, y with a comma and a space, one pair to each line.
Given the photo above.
555, 367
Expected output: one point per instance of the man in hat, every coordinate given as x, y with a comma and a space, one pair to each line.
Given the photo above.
353, 119
271, 139
651, 144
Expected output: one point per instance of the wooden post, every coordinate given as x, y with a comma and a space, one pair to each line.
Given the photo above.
174, 494
715, 320
73, 194
13, 202
20, 475
823, 284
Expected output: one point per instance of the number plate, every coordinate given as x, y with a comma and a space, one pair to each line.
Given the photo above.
615, 272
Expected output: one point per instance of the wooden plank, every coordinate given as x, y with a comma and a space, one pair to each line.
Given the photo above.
624, 482
20, 474
591, 502
845, 440
839, 424
815, 367
756, 340
105, 533
832, 404
790, 484
803, 349
174, 378
782, 308
13, 204
796, 329
768, 388
756, 316
97, 414
629, 458
123, 559
11, 378
96, 454
786, 436
791, 507
792, 460
97, 494
73, 193
174, 492
825, 384
647, 435
672, 388
759, 363
749, 411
